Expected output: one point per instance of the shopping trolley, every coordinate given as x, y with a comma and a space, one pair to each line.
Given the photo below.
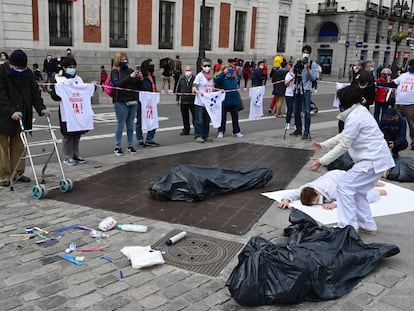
39, 191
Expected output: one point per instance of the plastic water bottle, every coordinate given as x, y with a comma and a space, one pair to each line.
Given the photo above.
132, 227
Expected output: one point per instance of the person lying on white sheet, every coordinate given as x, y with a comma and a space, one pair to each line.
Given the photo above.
322, 191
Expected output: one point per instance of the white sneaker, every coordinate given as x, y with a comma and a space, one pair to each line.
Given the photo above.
238, 135
220, 135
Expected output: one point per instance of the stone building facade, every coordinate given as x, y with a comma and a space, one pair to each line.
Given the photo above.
94, 30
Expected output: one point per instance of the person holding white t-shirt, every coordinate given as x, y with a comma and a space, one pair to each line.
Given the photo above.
203, 83
75, 111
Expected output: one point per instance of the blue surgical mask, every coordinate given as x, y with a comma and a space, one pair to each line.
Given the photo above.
411, 69
17, 72
70, 71
123, 65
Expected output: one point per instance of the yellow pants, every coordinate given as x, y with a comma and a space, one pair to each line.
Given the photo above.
11, 149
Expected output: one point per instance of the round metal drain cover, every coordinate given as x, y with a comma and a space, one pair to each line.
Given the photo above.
198, 253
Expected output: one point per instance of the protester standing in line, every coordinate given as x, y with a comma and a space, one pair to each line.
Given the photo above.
203, 83
185, 98
404, 101
309, 74
104, 75
246, 73
75, 116
4, 57
365, 143
125, 100
49, 68
177, 70
381, 95
258, 78
19, 93
148, 85
166, 76
217, 67
226, 80
277, 74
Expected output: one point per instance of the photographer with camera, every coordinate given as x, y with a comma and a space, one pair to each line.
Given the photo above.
305, 71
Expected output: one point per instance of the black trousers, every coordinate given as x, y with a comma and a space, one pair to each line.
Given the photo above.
186, 108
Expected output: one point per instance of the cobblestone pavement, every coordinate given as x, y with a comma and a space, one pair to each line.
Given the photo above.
34, 277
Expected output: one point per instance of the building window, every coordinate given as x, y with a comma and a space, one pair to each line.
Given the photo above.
379, 31
166, 25
366, 30
60, 22
281, 36
239, 31
208, 28
328, 32
389, 32
118, 24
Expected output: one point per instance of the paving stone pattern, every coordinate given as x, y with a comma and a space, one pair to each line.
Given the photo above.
35, 277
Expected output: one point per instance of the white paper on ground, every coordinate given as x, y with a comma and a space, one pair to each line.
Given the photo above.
398, 200
142, 256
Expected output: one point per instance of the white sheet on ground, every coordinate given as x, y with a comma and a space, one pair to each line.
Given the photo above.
398, 200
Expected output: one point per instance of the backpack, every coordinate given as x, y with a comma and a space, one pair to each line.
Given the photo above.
108, 86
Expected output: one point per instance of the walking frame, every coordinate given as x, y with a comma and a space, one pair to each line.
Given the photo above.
39, 190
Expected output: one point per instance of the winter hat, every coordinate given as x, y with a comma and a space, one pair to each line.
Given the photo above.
390, 112
18, 58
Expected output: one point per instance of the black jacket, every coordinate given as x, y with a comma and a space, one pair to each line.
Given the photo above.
185, 86
121, 78
18, 94
278, 75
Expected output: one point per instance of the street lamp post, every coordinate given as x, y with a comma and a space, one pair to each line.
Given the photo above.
202, 39
399, 11
347, 44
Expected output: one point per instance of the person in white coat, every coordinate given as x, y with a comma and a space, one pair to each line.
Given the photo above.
367, 147
322, 191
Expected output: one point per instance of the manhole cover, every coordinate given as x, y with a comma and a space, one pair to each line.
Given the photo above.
198, 253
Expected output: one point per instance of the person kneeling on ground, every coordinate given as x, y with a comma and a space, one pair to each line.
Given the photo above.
322, 191
394, 127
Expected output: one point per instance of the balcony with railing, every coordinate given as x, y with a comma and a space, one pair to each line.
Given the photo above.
328, 7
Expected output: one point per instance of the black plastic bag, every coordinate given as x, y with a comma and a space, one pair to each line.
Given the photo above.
403, 170
317, 263
195, 183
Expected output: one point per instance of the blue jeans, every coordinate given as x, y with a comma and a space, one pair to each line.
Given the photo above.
201, 122
289, 105
302, 103
124, 115
138, 128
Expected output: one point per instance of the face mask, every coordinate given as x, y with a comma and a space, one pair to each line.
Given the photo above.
372, 68
17, 72
207, 68
261, 66
362, 86
305, 55
355, 68
70, 71
188, 74
385, 76
123, 65
411, 69
58, 59
3, 57
230, 72
49, 57
151, 68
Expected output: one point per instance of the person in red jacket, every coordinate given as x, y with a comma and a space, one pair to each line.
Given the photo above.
380, 99
246, 73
